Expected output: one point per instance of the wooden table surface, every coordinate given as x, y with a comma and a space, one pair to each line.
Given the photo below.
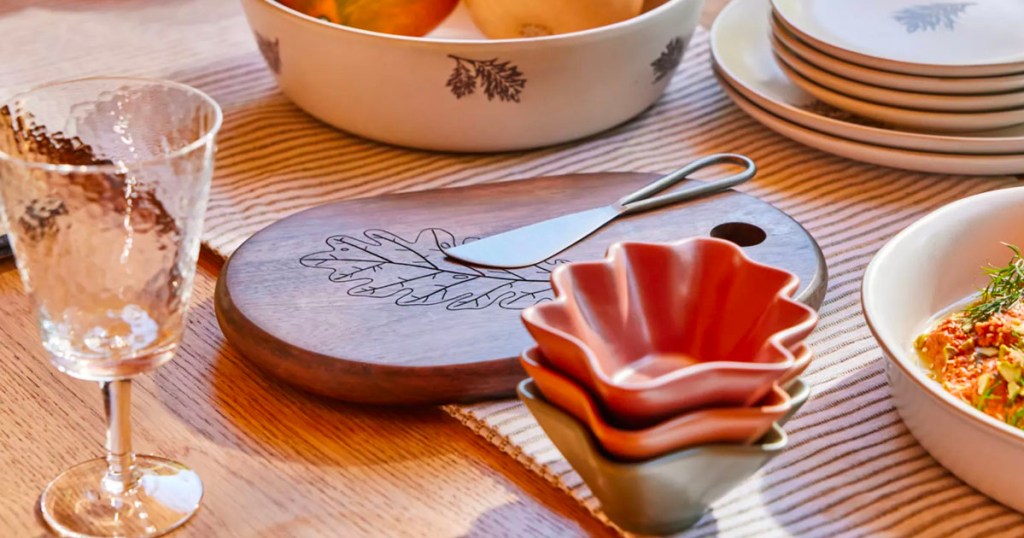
276, 462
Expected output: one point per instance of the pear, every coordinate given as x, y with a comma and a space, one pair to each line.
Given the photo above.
507, 19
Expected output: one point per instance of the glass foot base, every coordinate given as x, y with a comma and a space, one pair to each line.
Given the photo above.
166, 495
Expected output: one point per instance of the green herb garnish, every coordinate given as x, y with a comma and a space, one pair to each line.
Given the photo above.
987, 394
1015, 419
1004, 290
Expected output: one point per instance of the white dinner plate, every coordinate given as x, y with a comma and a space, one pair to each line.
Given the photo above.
922, 120
897, 98
740, 47
897, 81
921, 37
938, 163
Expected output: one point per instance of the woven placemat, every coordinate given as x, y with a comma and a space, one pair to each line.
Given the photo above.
851, 469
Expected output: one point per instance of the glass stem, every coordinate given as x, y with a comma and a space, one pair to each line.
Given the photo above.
117, 402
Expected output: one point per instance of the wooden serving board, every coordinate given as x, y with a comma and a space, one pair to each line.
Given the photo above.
355, 300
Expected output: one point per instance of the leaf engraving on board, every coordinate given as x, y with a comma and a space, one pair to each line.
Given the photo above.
383, 265
926, 17
500, 80
669, 59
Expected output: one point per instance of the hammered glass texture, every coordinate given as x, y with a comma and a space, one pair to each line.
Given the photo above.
104, 190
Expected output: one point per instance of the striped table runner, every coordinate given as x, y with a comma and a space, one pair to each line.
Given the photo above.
852, 468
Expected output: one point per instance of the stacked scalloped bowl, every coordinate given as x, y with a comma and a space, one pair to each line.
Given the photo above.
935, 87
664, 373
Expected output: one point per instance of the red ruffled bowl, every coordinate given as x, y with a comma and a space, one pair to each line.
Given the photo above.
654, 330
730, 425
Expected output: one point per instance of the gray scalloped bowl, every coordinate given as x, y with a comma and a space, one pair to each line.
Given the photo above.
452, 91
665, 494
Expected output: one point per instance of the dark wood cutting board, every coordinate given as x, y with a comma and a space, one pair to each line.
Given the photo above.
355, 300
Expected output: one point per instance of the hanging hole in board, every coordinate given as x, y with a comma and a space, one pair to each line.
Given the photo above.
741, 233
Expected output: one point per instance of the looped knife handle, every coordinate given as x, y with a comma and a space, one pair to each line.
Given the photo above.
642, 200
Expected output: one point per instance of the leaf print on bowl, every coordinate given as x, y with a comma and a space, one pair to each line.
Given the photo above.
270, 52
926, 17
381, 264
669, 59
501, 80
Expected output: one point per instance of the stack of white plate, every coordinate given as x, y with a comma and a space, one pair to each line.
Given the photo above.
914, 84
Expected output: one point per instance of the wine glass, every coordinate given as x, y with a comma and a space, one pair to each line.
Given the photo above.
104, 184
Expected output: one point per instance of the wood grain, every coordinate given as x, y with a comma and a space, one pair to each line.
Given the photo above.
355, 300
275, 462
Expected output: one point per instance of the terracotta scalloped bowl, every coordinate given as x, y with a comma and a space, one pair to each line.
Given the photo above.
656, 329
736, 425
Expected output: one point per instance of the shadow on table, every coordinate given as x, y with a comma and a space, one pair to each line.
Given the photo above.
853, 498
38, 513
784, 494
508, 517
707, 525
780, 493
228, 401
359, 523
7, 265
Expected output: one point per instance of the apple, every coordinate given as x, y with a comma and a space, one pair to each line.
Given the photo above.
402, 17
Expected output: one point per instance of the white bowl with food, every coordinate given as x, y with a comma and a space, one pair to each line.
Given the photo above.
954, 354
455, 90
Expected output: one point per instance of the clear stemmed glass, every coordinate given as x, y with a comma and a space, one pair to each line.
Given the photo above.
104, 184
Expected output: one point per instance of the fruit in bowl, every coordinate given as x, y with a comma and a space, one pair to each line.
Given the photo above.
414, 91
509, 19
401, 17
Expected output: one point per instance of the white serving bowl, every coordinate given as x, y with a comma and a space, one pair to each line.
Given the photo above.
397, 89
933, 264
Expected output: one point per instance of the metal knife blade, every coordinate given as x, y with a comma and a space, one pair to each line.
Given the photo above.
534, 243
